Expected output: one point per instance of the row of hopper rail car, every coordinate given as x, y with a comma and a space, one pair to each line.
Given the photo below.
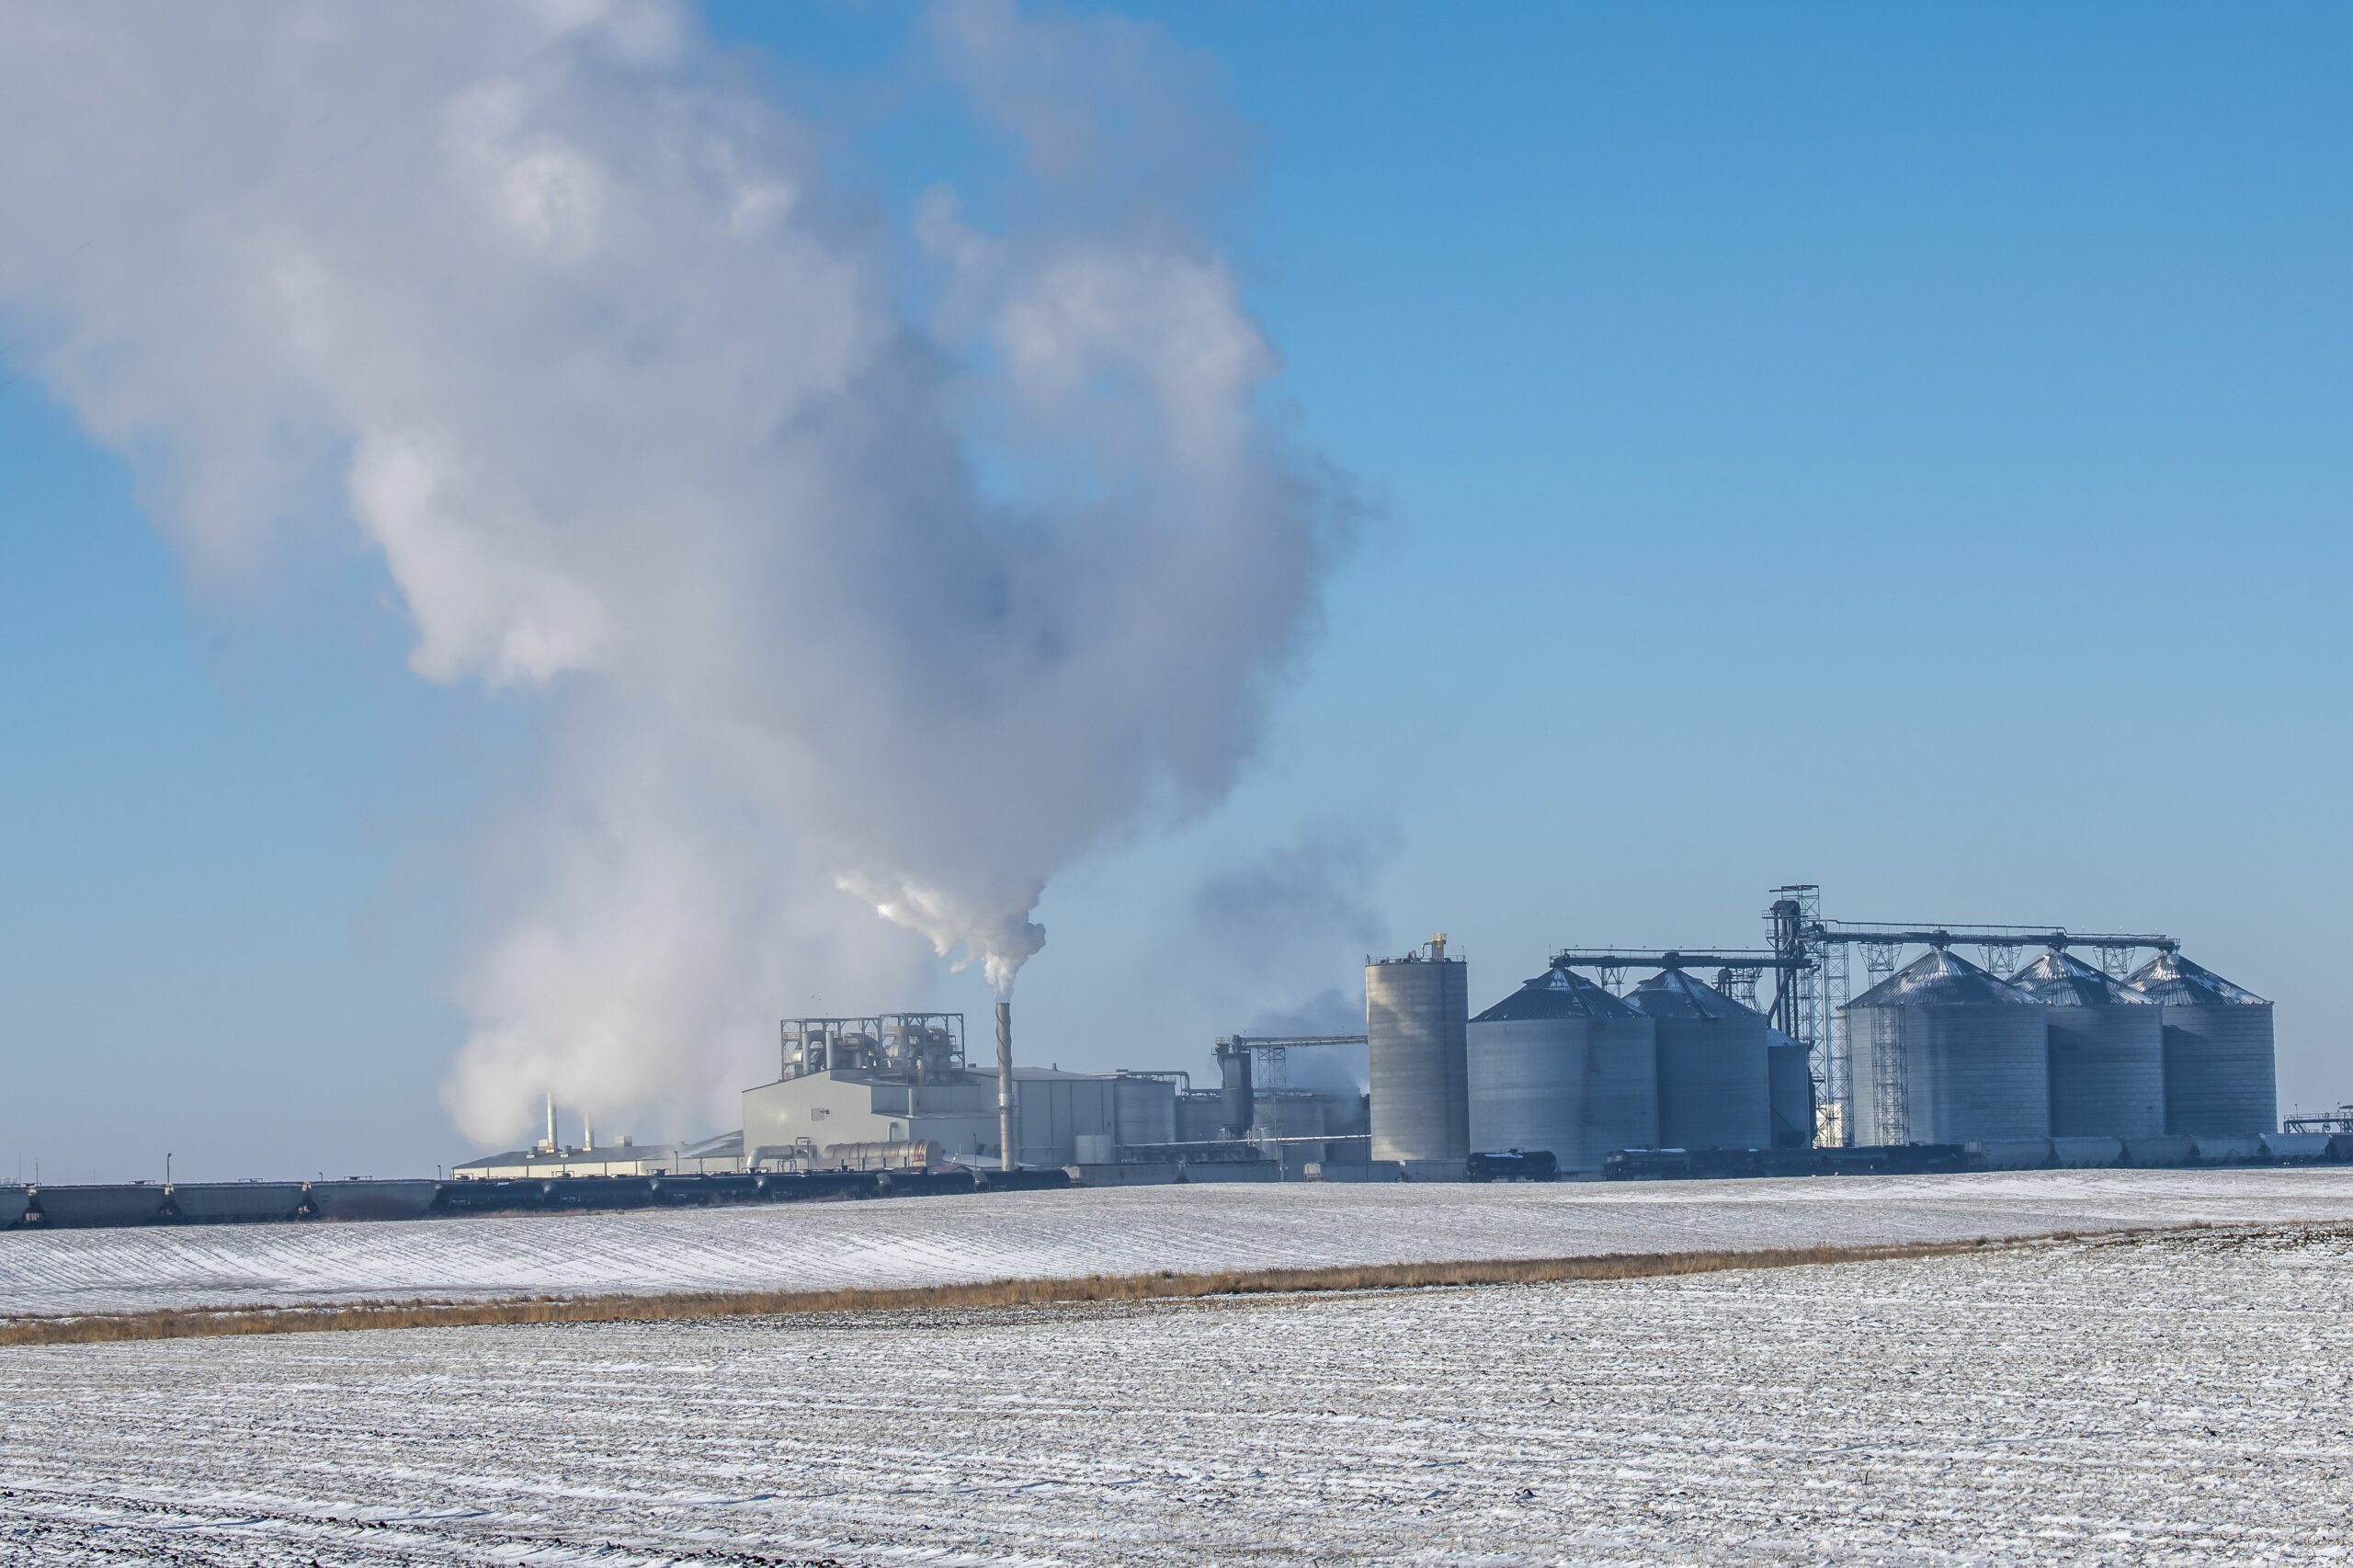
202, 1203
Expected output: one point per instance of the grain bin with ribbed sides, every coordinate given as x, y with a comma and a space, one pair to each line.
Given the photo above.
1714, 1076
1562, 1066
2220, 1072
1415, 1008
2108, 1054
1943, 1053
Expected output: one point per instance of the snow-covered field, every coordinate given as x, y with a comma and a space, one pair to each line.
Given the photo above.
1119, 1230
2181, 1399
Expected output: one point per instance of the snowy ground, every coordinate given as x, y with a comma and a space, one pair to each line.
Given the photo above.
1118, 1230
2183, 1399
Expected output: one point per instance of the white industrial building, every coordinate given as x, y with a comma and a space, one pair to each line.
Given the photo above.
851, 1086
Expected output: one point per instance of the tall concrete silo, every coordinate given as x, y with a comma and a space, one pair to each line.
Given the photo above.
1714, 1079
2107, 1053
1415, 1011
2220, 1072
1563, 1066
1943, 1053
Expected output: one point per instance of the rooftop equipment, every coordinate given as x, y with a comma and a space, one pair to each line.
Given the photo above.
2219, 1069
1944, 1053
1562, 1067
1714, 1077
2108, 1067
1415, 1011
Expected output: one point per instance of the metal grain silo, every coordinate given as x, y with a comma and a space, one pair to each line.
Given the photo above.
1562, 1066
1943, 1053
1415, 1010
2219, 1068
2107, 1053
1790, 1080
1715, 1086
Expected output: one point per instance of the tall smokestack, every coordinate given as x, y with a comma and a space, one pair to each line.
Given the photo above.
1004, 1085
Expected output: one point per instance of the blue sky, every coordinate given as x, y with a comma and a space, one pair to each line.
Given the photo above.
1901, 448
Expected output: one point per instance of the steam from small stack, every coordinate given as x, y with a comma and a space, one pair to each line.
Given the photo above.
813, 484
1004, 1085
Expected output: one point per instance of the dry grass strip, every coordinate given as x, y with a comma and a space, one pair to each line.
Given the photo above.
211, 1322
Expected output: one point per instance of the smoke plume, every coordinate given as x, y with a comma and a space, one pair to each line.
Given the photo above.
894, 558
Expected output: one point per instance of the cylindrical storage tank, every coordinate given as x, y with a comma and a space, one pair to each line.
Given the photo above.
1715, 1088
1943, 1053
1143, 1110
1415, 1011
2220, 1074
2108, 1051
1234, 1097
1562, 1067
1201, 1117
1789, 1080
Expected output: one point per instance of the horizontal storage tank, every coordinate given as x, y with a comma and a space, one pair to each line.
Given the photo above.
2108, 1050
362, 1199
1943, 1053
1415, 1011
2220, 1073
133, 1203
1790, 1079
230, 1202
1715, 1088
1562, 1067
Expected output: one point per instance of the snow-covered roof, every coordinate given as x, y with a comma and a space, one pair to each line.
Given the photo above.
1556, 993
1942, 978
2171, 978
2065, 981
1672, 993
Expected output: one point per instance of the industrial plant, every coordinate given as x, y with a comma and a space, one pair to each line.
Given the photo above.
1613, 1062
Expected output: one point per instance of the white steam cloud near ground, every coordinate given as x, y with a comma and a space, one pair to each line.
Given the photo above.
859, 557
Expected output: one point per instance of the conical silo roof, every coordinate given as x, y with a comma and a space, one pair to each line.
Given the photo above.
1556, 993
2063, 980
2172, 979
1942, 978
1672, 993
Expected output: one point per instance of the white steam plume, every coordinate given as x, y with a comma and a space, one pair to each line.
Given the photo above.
564, 314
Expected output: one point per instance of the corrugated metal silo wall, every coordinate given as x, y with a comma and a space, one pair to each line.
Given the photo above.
2107, 1071
1714, 1085
2220, 1074
1969, 1071
1574, 1086
1528, 1086
1622, 1097
1790, 1089
1146, 1111
1414, 1014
